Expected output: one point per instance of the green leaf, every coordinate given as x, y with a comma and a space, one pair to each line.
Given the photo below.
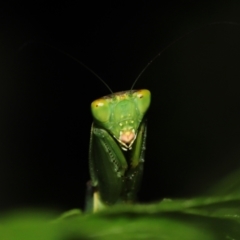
212, 217
199, 218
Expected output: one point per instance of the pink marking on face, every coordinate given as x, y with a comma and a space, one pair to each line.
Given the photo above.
127, 137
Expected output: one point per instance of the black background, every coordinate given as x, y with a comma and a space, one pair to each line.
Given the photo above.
193, 128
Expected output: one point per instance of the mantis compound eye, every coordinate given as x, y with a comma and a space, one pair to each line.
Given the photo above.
142, 99
101, 110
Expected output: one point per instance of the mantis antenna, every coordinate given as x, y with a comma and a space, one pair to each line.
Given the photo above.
148, 64
173, 42
75, 59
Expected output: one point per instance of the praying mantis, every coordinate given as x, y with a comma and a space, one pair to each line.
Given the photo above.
117, 145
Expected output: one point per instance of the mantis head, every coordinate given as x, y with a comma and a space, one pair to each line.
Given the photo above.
121, 114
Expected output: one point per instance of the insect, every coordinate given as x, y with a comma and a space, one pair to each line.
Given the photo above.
117, 146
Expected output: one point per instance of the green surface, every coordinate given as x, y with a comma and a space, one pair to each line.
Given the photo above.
216, 216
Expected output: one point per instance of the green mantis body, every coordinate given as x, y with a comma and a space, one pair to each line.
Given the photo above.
117, 146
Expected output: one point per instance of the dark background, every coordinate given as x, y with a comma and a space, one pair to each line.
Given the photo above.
193, 128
